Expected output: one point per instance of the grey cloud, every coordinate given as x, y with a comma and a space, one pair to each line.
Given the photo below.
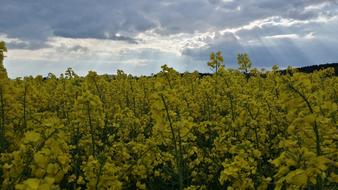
216, 14
262, 56
78, 48
40, 19
284, 52
125, 38
30, 45
227, 44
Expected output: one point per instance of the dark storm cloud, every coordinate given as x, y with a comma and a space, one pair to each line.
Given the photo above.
34, 20
40, 19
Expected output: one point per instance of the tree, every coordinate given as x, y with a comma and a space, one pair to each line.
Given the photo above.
3, 92
3, 49
216, 61
244, 62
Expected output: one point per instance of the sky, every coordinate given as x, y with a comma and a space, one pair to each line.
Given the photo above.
138, 36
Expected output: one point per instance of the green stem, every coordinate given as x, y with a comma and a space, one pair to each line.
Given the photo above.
177, 152
91, 129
